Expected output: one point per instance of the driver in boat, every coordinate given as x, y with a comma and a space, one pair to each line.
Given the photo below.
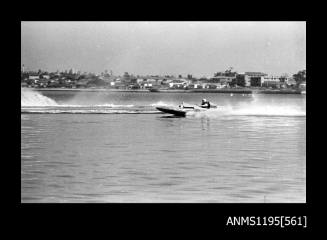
205, 103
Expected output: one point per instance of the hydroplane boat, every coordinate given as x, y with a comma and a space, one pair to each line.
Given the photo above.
183, 109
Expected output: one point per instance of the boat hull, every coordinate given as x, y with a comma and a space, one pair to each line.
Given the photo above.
182, 110
175, 111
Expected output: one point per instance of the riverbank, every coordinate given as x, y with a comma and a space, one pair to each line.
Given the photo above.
234, 90
88, 89
229, 90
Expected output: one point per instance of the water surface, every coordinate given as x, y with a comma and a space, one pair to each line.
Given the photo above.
253, 149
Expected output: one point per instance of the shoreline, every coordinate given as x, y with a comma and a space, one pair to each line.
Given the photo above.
237, 91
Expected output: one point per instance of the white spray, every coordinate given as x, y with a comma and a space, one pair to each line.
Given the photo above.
259, 106
32, 98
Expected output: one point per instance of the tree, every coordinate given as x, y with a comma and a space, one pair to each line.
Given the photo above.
97, 82
227, 73
24, 76
218, 74
239, 80
300, 77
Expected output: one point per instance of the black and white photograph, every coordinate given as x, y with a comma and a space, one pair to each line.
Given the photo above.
163, 112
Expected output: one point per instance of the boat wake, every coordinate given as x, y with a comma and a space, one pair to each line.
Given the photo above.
31, 98
88, 110
277, 111
34, 102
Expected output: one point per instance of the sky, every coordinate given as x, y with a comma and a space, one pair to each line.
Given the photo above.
160, 48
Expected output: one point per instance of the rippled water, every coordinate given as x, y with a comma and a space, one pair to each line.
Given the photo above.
251, 150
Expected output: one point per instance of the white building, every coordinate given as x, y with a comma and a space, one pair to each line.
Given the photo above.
271, 81
178, 83
33, 77
139, 80
303, 86
254, 79
271, 78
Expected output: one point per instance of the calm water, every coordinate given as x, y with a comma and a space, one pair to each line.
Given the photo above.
118, 148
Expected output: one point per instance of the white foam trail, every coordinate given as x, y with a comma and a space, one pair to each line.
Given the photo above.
260, 107
113, 105
110, 105
30, 97
255, 108
251, 111
269, 111
161, 103
87, 111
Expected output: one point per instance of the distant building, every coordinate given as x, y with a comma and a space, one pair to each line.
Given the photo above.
210, 85
222, 79
33, 77
271, 81
283, 79
177, 83
108, 78
126, 78
166, 81
140, 80
303, 86
81, 84
151, 80
242, 81
146, 85
120, 85
42, 82
291, 82
191, 86
254, 79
